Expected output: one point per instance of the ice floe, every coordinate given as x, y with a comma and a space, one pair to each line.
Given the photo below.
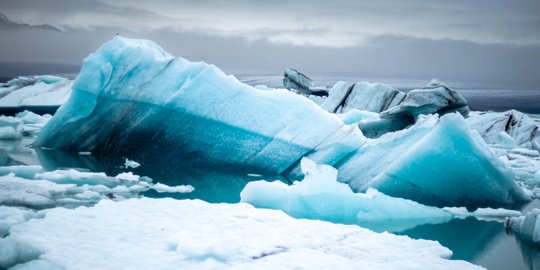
192, 234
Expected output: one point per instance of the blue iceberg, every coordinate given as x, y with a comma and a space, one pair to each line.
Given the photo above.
437, 162
132, 98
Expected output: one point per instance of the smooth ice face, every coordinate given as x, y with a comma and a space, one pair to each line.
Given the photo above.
172, 234
43, 90
132, 98
435, 162
320, 196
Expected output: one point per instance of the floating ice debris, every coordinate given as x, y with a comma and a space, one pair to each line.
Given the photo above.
127, 176
131, 164
490, 214
226, 236
161, 188
87, 153
43, 90
528, 225
320, 196
181, 111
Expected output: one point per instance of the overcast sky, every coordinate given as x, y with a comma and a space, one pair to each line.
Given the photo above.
492, 42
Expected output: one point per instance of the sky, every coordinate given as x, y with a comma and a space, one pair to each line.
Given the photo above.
484, 42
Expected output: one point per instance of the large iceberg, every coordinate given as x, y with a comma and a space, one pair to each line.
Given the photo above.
132, 98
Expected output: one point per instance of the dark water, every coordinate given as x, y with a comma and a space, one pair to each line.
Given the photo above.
486, 243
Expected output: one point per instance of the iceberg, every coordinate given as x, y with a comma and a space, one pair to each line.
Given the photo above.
436, 97
527, 226
296, 81
227, 236
320, 196
373, 97
436, 162
498, 128
44, 90
133, 99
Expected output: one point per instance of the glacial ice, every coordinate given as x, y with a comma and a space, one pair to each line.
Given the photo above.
45, 90
320, 196
435, 162
132, 98
226, 236
528, 225
520, 127
436, 97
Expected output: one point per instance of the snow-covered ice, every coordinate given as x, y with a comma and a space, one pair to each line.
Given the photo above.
192, 234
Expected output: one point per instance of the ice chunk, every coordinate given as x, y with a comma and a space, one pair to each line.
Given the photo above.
294, 80
488, 214
43, 90
72, 188
528, 226
320, 196
131, 164
354, 116
159, 187
227, 236
373, 97
434, 98
435, 162
517, 125
23, 171
131, 97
